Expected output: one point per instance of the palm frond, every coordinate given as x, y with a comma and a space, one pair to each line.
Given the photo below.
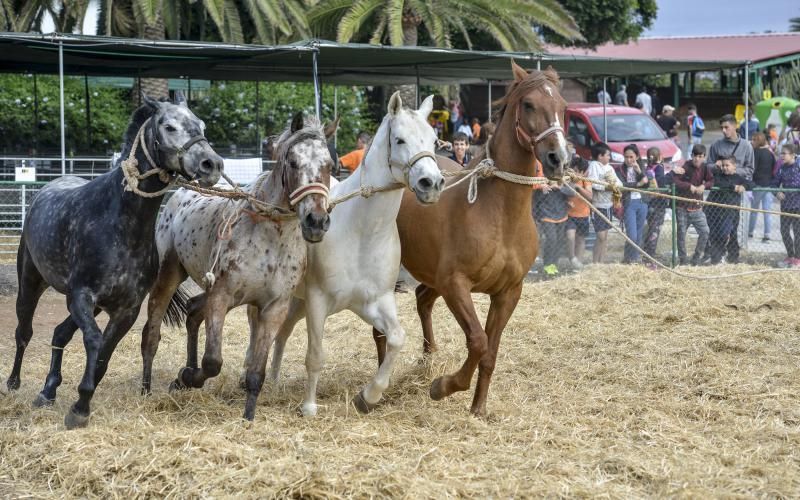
394, 21
150, 9
274, 13
355, 18
380, 30
263, 31
233, 23
216, 9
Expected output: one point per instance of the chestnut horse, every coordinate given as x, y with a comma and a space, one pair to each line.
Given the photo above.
455, 247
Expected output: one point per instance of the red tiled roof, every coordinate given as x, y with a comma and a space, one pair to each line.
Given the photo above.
754, 47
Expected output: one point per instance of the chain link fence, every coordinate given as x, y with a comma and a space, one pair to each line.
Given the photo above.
673, 235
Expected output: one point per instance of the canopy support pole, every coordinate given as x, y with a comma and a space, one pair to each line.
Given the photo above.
336, 114
416, 89
317, 92
35, 114
61, 105
489, 104
88, 112
605, 118
747, 102
258, 118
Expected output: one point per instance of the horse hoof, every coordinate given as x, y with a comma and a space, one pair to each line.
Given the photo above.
437, 389
41, 401
12, 383
361, 404
146, 391
74, 421
308, 410
242, 383
176, 386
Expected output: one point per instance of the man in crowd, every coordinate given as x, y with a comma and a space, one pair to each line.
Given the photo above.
667, 121
621, 99
644, 102
353, 159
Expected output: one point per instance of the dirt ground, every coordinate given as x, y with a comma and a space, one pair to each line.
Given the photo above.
617, 381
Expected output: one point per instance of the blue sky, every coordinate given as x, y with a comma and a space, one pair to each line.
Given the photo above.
722, 17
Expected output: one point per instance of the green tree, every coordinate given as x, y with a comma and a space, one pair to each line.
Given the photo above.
509, 22
794, 24
601, 21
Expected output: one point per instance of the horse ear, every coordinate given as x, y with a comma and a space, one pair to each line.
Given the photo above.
519, 73
150, 102
426, 107
180, 99
330, 129
297, 122
395, 104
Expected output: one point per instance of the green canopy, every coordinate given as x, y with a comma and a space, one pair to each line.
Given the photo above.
355, 64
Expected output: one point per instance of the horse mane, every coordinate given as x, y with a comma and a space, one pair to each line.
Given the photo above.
519, 89
282, 143
138, 117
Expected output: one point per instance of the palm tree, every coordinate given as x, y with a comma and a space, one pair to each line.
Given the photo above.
794, 24
509, 22
27, 15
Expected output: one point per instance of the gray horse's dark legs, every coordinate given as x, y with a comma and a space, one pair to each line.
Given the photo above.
81, 307
31, 288
62, 336
119, 325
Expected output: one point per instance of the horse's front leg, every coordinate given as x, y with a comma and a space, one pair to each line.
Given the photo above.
316, 312
263, 326
382, 314
297, 311
81, 308
119, 324
459, 301
216, 307
62, 336
500, 310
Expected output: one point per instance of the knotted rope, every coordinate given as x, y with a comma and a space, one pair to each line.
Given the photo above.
131, 173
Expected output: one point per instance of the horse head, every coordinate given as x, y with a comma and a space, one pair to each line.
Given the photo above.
538, 107
176, 139
411, 144
305, 164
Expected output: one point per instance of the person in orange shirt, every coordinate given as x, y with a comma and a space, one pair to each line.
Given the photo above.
352, 160
550, 213
578, 214
476, 129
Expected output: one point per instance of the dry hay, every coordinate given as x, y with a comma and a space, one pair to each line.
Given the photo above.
615, 381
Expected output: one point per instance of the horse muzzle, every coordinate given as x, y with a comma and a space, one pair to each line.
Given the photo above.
209, 169
429, 189
314, 226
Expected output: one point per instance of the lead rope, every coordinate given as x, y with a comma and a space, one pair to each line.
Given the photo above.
131, 173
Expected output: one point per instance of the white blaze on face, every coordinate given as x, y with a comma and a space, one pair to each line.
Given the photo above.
548, 90
562, 143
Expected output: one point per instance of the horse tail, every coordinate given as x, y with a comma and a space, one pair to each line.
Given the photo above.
177, 308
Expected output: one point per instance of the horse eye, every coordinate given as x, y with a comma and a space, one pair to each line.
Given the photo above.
170, 128
528, 106
400, 141
293, 164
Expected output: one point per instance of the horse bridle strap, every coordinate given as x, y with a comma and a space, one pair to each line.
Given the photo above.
407, 166
311, 188
525, 139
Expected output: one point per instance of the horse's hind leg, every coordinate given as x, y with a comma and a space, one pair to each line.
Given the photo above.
383, 315
297, 310
119, 324
217, 304
62, 336
31, 288
426, 298
500, 310
195, 315
459, 301
170, 275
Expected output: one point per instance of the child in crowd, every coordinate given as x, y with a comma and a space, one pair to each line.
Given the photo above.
578, 214
550, 212
632, 175
691, 181
656, 206
600, 169
722, 221
789, 177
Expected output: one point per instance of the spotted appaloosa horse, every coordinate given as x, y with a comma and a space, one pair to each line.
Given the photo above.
93, 241
259, 263
455, 248
355, 267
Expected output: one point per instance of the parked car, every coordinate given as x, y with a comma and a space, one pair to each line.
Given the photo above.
584, 127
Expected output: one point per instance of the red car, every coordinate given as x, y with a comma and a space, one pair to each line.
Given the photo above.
584, 127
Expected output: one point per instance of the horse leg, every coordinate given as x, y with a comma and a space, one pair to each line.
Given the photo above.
253, 313
31, 288
119, 324
500, 310
380, 344
81, 307
215, 310
316, 311
170, 275
459, 301
383, 315
195, 315
264, 324
62, 336
297, 311
426, 297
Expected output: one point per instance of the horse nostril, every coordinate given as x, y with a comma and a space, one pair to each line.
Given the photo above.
552, 159
207, 165
440, 184
425, 184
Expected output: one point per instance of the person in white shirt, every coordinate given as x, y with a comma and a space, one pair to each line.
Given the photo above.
603, 96
600, 169
645, 101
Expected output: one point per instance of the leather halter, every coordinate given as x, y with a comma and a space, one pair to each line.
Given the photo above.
525, 140
408, 165
180, 151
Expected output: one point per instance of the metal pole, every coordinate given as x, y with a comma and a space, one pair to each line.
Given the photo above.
747, 102
189, 91
88, 112
605, 118
538, 64
61, 100
317, 92
416, 89
489, 104
22, 222
35, 114
336, 114
258, 118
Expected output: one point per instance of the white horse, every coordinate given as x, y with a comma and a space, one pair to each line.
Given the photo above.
355, 267
257, 259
